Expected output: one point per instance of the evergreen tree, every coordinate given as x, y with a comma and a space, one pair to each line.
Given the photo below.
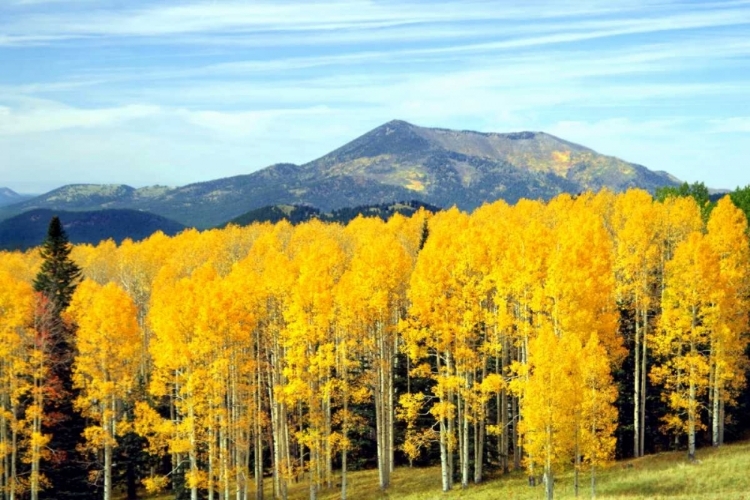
56, 281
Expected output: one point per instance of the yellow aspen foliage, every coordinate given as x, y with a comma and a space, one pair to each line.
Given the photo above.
598, 417
16, 318
551, 403
106, 366
727, 236
690, 313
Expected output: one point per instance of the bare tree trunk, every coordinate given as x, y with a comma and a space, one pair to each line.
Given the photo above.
193, 454
692, 403
13, 457
637, 388
479, 438
107, 471
444, 469
211, 459
715, 412
345, 431
644, 373
721, 421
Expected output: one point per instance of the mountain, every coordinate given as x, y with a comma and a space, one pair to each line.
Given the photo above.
396, 161
8, 197
30, 228
302, 213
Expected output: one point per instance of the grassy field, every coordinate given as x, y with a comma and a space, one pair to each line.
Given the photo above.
717, 474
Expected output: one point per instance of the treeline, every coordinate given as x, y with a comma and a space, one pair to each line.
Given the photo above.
539, 335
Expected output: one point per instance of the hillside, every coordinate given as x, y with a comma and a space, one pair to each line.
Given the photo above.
396, 161
719, 474
30, 228
301, 213
8, 197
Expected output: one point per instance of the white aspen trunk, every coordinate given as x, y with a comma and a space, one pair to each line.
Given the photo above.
344, 449
637, 388
451, 428
36, 451
107, 471
644, 373
517, 446
193, 453
444, 470
479, 436
328, 445
7, 447
384, 408
549, 479
380, 438
549, 483
503, 417
314, 459
464, 433
211, 461
13, 457
258, 455
109, 426
692, 400
721, 421
715, 412
4, 479
225, 462
391, 411
593, 462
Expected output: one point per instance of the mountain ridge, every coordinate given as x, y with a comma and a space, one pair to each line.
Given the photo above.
9, 197
395, 161
29, 229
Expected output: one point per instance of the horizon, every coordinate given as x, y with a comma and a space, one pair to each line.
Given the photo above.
155, 93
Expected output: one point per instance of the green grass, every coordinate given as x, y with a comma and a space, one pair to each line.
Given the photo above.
717, 474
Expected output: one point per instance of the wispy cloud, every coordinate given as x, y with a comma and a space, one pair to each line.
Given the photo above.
240, 85
53, 116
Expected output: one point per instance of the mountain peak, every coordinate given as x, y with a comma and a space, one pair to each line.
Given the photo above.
394, 161
9, 197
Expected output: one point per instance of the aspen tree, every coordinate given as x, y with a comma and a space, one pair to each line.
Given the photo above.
549, 420
636, 265
690, 313
105, 369
370, 298
16, 318
447, 325
598, 417
727, 235
318, 261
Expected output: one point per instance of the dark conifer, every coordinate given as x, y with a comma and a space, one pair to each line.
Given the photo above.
66, 470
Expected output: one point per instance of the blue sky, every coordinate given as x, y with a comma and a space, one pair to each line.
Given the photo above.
166, 92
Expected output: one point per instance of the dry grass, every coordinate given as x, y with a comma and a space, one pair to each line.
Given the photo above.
718, 474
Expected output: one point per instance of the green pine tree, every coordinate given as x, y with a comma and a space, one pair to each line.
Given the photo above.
59, 276
67, 470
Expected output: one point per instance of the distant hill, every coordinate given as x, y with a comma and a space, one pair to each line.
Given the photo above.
8, 196
301, 213
30, 228
396, 161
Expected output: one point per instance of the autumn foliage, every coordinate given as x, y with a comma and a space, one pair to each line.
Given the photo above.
489, 340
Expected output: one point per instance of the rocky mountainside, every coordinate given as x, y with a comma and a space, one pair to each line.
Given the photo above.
30, 228
396, 161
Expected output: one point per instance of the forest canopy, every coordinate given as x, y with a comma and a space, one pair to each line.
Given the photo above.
541, 335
